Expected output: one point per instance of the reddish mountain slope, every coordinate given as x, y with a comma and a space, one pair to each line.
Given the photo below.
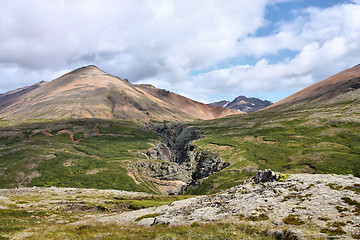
194, 108
343, 82
88, 92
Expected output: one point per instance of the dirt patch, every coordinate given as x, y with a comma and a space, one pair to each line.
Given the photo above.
83, 207
25, 179
31, 165
249, 139
33, 174
11, 134
316, 157
263, 160
97, 128
94, 171
261, 140
222, 147
2, 171
68, 163
309, 168
133, 177
46, 157
332, 131
104, 125
312, 123
71, 135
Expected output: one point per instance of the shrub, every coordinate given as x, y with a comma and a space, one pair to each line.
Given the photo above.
261, 217
293, 220
284, 177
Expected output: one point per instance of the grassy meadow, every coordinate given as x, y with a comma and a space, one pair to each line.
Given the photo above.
316, 139
89, 153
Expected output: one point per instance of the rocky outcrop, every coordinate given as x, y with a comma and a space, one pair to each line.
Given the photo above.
305, 206
266, 175
181, 164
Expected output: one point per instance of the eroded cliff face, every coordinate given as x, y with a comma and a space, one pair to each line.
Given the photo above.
181, 165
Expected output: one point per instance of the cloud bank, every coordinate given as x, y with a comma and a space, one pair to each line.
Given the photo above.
196, 48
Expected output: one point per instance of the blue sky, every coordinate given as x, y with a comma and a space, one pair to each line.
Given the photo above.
207, 50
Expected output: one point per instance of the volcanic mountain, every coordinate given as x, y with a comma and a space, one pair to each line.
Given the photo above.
243, 104
88, 92
338, 84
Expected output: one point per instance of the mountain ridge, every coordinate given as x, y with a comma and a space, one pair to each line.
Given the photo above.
198, 109
8, 97
89, 92
338, 84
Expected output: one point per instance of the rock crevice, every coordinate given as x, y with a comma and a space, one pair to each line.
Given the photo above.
181, 165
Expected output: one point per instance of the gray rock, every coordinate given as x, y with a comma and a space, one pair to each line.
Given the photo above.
180, 160
266, 175
311, 198
147, 222
287, 234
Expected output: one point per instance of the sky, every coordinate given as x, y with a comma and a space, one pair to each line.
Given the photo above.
207, 50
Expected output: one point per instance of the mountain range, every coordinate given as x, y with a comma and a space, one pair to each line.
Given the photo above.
243, 104
89, 130
167, 147
88, 92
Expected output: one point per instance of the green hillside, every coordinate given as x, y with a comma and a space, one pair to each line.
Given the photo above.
95, 153
88, 153
312, 138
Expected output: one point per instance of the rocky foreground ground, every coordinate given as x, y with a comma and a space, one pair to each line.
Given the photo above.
309, 206
298, 206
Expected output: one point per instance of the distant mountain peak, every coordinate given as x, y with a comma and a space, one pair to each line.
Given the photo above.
244, 104
86, 69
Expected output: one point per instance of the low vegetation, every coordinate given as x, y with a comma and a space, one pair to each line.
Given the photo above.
334, 229
354, 203
284, 177
89, 153
201, 231
147, 216
95, 153
293, 220
309, 139
47, 213
37, 210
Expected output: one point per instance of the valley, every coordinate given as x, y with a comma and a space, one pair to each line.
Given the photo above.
60, 173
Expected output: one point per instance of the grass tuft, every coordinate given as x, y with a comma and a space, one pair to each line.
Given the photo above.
147, 216
293, 220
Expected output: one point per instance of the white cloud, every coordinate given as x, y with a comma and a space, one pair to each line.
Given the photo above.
326, 41
164, 42
38, 34
315, 62
13, 77
58, 32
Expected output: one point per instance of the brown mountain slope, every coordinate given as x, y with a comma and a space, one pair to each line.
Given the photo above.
88, 92
343, 82
194, 108
8, 98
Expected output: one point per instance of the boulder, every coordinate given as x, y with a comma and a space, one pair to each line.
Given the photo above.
266, 175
